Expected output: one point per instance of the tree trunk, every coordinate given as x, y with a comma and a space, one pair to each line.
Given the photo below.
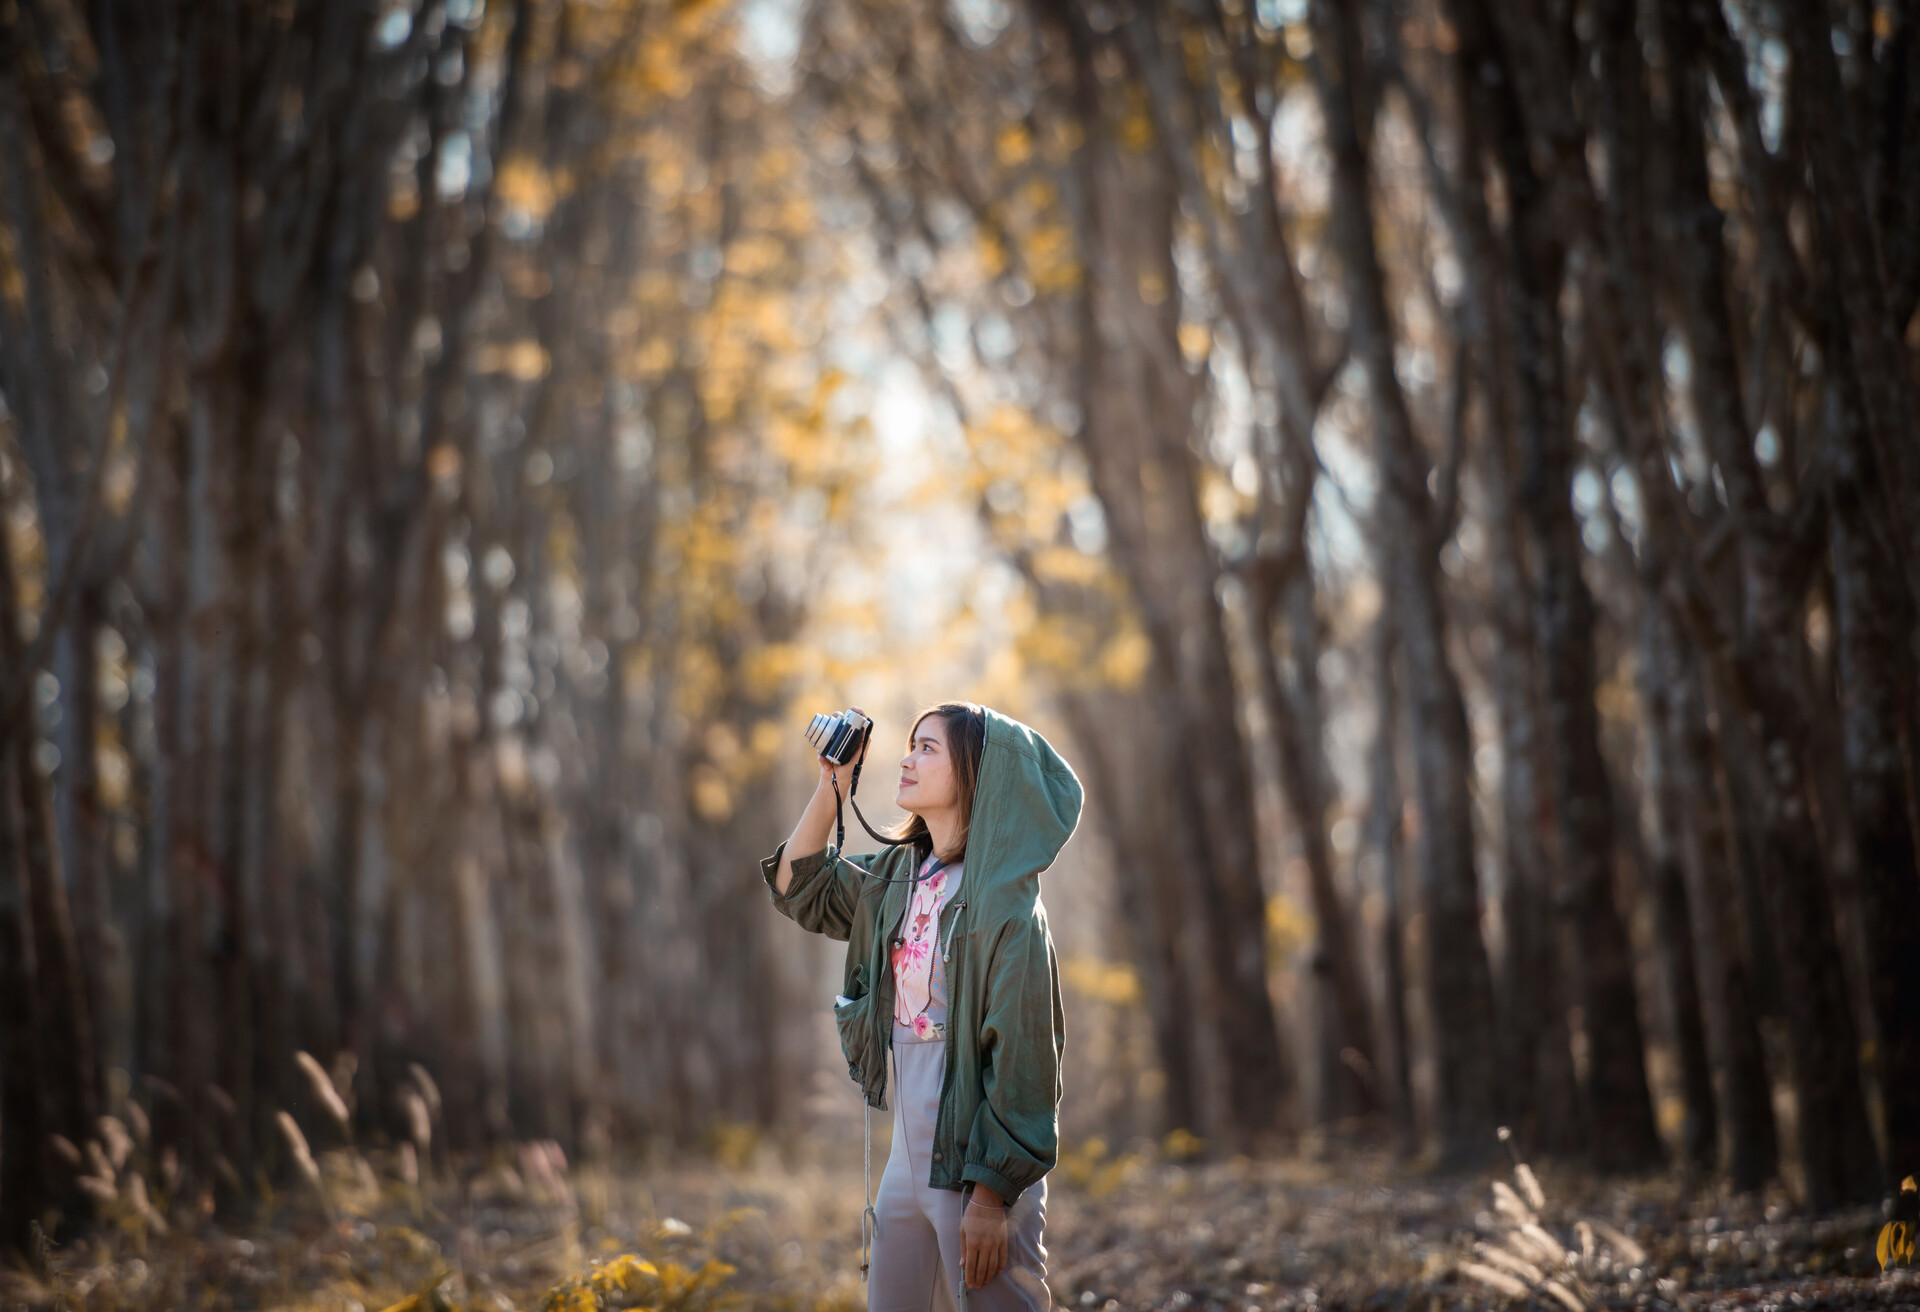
1538, 1047
1460, 985
1875, 356
1138, 412
1617, 1100
26, 1186
1152, 883
1837, 1151
87, 861
1663, 874
1743, 1087
1349, 1075
1874, 620
63, 1040
1383, 843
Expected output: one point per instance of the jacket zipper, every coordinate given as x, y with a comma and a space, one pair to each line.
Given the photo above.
946, 1079
946, 949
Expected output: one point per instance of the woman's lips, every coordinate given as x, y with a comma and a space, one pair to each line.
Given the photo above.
906, 783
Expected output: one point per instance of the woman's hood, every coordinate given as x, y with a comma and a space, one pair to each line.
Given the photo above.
1026, 804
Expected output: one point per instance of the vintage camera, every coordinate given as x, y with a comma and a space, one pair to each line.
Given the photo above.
838, 737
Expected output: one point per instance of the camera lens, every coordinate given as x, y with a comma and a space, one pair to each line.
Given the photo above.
837, 737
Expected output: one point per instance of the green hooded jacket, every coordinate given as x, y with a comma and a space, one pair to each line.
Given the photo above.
1000, 1098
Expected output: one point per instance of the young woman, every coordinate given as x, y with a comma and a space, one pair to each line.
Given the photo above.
951, 971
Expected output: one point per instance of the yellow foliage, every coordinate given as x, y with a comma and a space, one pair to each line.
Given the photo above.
563, 544
522, 184
1289, 928
653, 357
1136, 125
1617, 698
1220, 501
701, 680
769, 737
525, 360
1039, 196
1056, 642
1124, 660
1066, 565
658, 67
1013, 145
733, 1143
1051, 260
1064, 136
1182, 1145
1090, 1167
630, 1281
767, 671
1112, 982
1196, 340
1895, 1245
992, 255
431, 1299
712, 799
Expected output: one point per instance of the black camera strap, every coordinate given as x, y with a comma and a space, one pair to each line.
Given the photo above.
840, 819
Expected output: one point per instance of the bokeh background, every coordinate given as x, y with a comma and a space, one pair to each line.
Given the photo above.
1442, 470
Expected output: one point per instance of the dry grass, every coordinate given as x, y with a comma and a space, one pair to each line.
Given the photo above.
777, 1228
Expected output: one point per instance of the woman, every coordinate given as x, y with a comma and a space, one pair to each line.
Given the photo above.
951, 970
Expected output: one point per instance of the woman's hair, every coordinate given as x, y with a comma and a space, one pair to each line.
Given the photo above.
966, 726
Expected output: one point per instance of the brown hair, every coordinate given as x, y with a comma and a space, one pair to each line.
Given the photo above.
966, 742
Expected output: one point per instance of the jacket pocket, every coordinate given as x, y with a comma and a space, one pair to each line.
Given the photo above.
854, 1018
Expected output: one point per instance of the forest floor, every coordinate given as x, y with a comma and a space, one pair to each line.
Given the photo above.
1125, 1232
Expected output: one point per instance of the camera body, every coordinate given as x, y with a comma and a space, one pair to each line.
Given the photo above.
838, 737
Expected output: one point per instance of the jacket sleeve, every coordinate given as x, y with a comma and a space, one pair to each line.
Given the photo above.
823, 892
1015, 1137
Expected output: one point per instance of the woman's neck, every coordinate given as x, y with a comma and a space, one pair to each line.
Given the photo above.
940, 828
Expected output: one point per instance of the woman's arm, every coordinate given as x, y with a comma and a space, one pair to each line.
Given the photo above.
816, 822
811, 833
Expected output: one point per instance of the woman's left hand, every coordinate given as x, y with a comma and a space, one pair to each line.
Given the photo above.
983, 1237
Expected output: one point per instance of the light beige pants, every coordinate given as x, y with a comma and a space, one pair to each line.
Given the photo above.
916, 1251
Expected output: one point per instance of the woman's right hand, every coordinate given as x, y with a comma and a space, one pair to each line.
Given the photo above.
815, 827
827, 768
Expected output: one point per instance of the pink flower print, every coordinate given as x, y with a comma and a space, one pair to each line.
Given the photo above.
922, 1027
938, 884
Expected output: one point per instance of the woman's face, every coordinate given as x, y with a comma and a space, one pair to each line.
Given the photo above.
927, 785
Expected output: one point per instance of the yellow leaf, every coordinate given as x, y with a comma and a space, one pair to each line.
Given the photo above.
1196, 339
1013, 145
1182, 1145
1112, 982
1289, 928
1124, 660
525, 186
712, 799
1136, 128
1894, 1245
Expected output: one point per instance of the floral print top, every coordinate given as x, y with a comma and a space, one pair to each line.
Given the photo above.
919, 976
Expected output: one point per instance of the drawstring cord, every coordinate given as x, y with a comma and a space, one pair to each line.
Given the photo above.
869, 1219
